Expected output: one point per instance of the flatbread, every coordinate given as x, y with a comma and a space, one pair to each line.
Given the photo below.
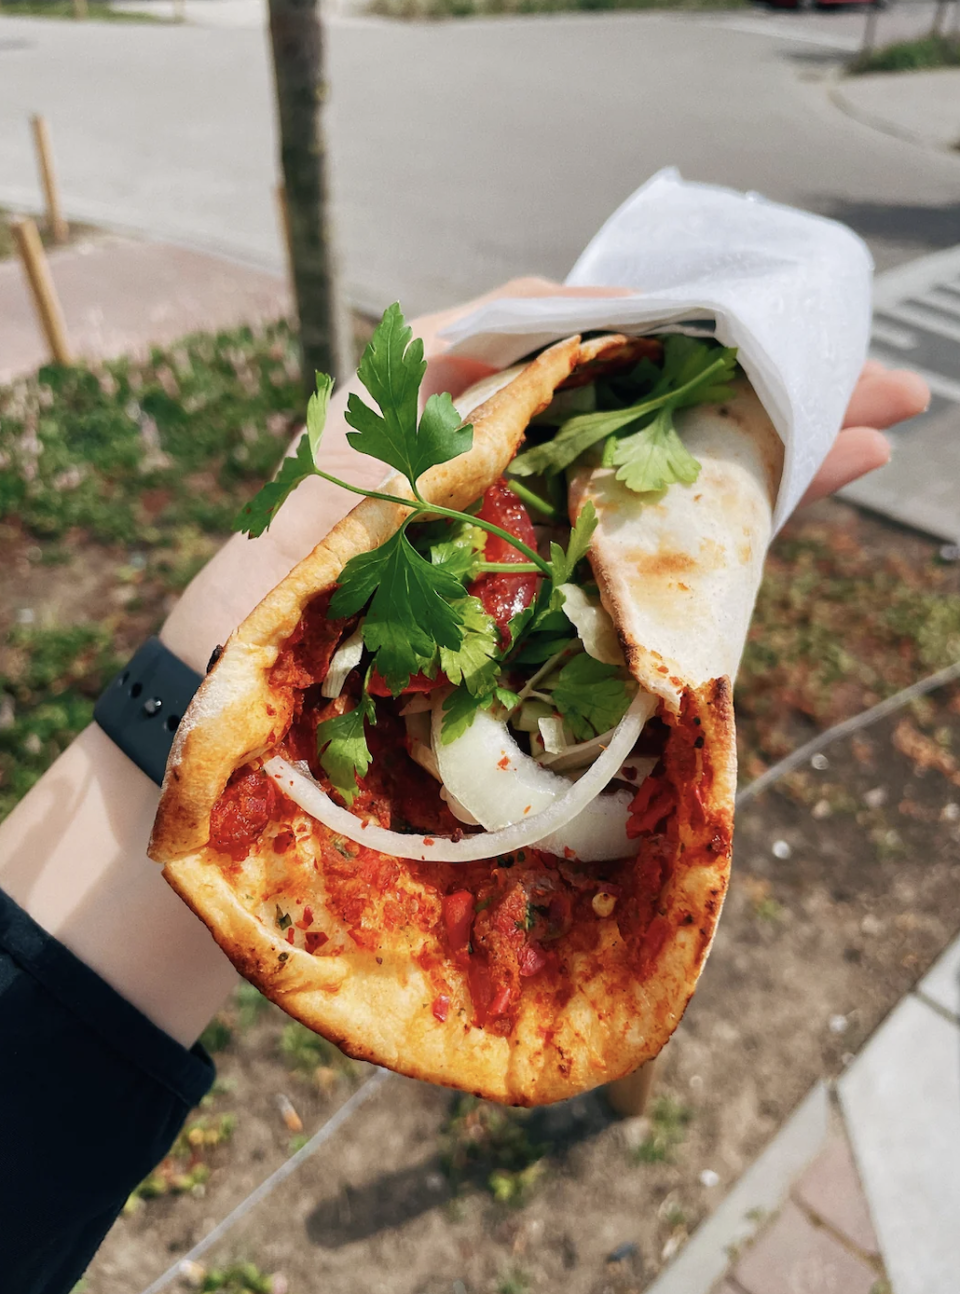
379, 980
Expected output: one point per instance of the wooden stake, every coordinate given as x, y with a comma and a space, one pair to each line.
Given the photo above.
79, 8
629, 1095
179, 10
44, 293
55, 222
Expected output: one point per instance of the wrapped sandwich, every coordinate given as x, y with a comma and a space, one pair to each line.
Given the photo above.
458, 794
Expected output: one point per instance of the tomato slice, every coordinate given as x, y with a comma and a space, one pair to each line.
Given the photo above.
417, 683
457, 911
502, 595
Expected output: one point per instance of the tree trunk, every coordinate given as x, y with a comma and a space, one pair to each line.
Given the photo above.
939, 16
297, 37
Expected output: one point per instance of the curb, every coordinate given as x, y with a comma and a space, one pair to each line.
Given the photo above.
880, 124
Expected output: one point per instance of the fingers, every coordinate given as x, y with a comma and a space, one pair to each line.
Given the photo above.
885, 397
856, 451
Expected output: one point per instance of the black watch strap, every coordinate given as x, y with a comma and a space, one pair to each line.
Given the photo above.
142, 707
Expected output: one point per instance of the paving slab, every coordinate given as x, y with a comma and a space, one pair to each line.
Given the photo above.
941, 984
760, 1192
830, 1189
795, 1257
901, 1103
121, 295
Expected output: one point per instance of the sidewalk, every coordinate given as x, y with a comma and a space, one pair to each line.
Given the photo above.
920, 107
122, 295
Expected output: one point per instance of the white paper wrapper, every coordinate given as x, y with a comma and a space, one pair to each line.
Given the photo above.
790, 290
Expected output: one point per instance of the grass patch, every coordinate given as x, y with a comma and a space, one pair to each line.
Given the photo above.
911, 55
490, 1146
64, 9
840, 623
669, 1120
313, 1057
489, 8
125, 478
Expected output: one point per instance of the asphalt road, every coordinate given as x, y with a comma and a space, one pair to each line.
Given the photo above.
465, 151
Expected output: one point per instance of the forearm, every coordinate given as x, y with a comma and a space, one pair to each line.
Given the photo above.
72, 854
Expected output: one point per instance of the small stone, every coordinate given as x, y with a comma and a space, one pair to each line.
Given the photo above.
8, 714
634, 1131
950, 552
871, 925
696, 1082
279, 1284
838, 1024
950, 812
709, 1178
625, 1250
434, 1181
193, 1274
822, 809
819, 762
32, 744
781, 849
673, 1244
137, 561
288, 1113
26, 616
876, 797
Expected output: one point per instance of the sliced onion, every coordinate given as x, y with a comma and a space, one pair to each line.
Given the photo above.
344, 659
598, 832
552, 735
299, 786
593, 624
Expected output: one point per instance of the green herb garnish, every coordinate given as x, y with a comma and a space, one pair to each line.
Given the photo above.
416, 606
592, 697
342, 744
641, 439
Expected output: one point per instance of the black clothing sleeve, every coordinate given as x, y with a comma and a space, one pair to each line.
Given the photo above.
92, 1095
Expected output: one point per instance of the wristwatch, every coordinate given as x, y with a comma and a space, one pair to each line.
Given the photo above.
141, 709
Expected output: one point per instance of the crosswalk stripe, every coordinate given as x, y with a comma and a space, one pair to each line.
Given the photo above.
923, 318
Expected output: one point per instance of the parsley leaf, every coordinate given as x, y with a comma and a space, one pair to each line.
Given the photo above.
694, 372
460, 550
255, 517
475, 663
461, 706
392, 369
342, 744
591, 696
655, 457
410, 614
563, 564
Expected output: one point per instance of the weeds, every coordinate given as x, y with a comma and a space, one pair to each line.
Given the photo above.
668, 1129
308, 1054
472, 8
491, 1146
837, 627
911, 55
49, 679
238, 1278
517, 1282
185, 1169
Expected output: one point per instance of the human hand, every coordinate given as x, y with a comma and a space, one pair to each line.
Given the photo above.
882, 398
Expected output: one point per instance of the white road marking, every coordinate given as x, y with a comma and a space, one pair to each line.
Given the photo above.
926, 319
944, 301
890, 335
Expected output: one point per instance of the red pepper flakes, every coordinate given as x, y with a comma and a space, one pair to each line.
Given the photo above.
441, 1007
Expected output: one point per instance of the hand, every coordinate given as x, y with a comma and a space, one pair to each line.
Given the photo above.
882, 398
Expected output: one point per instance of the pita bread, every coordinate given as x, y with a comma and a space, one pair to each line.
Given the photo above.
678, 572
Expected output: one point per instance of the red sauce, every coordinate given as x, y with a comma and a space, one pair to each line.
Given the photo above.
504, 596
305, 656
249, 801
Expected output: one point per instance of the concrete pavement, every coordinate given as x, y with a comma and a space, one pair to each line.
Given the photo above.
920, 107
464, 152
